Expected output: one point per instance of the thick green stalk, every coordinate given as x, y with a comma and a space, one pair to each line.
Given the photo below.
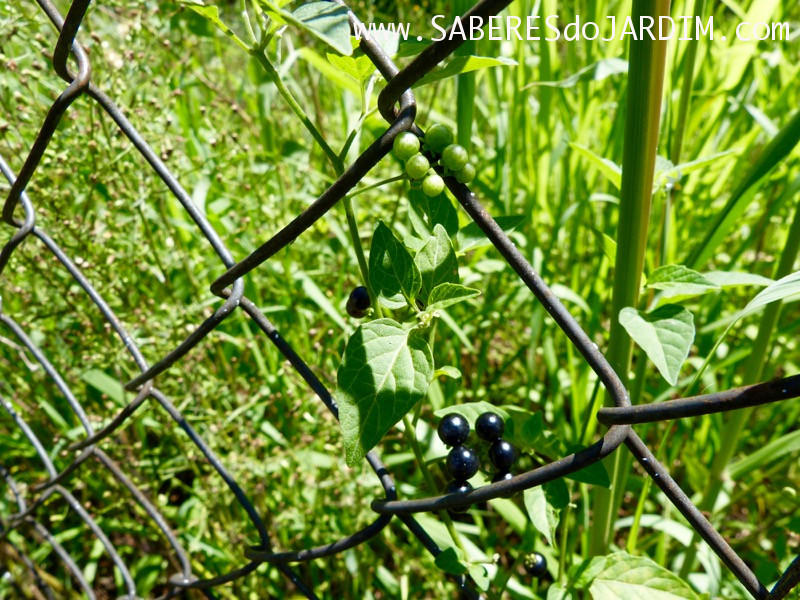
261, 56
465, 88
754, 368
645, 88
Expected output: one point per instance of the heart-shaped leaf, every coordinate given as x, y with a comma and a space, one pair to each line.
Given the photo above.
326, 21
391, 269
386, 369
665, 334
436, 261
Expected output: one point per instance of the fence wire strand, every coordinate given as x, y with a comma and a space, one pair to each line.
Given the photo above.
398, 106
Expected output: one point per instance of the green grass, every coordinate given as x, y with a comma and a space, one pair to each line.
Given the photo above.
218, 121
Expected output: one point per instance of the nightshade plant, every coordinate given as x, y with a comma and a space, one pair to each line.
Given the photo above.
387, 364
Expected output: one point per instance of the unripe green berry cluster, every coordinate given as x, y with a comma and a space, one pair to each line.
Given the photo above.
438, 141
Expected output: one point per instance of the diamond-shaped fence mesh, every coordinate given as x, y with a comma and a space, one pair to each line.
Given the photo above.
397, 105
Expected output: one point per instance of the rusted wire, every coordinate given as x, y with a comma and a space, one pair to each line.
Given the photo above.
230, 287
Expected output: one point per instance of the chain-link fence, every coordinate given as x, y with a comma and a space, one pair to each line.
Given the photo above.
397, 105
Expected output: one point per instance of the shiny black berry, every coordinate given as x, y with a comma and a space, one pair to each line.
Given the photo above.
535, 565
490, 426
502, 455
358, 302
458, 487
462, 463
453, 429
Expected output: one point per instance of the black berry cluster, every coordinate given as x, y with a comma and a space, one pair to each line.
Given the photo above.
490, 427
462, 461
358, 302
438, 141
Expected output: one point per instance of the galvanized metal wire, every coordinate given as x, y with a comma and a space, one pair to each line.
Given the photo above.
398, 106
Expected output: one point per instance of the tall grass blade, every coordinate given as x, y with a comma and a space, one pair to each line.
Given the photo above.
645, 90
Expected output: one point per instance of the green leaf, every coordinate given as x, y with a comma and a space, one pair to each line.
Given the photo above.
391, 269
471, 236
622, 576
211, 13
437, 262
327, 21
594, 474
450, 562
447, 371
465, 64
386, 369
472, 410
734, 278
331, 73
595, 72
786, 289
665, 334
480, 576
426, 213
608, 168
447, 294
678, 280
105, 384
543, 515
556, 592
358, 69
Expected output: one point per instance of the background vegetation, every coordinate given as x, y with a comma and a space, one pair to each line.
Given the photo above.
537, 130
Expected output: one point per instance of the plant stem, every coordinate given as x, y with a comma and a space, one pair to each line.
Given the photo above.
411, 436
261, 55
562, 551
338, 166
645, 88
352, 227
754, 368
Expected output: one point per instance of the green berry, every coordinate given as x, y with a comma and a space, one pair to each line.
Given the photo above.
432, 185
454, 157
466, 174
417, 166
405, 145
438, 137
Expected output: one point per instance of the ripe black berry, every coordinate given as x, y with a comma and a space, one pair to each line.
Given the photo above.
502, 455
462, 463
490, 426
358, 302
458, 487
535, 565
453, 429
